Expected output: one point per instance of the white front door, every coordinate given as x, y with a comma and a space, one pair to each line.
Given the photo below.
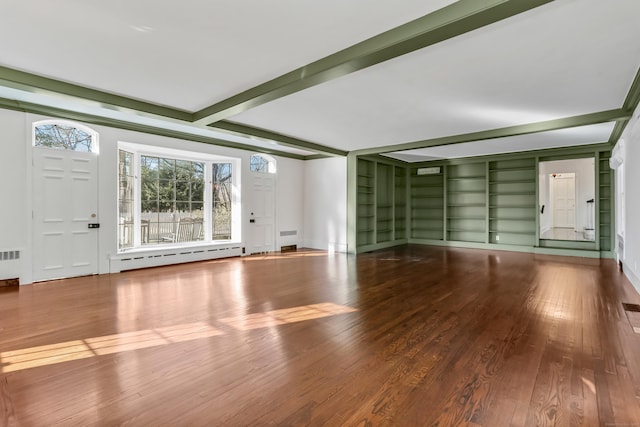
262, 213
65, 203
564, 200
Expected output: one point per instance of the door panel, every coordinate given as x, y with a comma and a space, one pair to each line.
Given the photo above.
64, 203
564, 202
262, 213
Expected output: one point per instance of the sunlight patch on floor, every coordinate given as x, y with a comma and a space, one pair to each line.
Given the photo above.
33, 357
286, 315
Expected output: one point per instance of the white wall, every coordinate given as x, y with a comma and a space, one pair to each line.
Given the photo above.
584, 170
289, 203
325, 204
631, 260
14, 181
15, 173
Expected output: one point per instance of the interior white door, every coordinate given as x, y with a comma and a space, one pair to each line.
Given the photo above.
65, 203
564, 201
262, 213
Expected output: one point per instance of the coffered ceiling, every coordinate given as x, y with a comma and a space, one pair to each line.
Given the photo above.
409, 79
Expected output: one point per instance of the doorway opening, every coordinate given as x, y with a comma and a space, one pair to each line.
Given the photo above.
567, 200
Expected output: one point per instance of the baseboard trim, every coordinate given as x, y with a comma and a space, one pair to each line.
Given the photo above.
635, 280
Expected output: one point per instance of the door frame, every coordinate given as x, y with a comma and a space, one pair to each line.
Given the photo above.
249, 226
31, 121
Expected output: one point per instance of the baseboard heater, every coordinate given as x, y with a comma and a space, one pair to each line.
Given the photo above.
133, 261
10, 267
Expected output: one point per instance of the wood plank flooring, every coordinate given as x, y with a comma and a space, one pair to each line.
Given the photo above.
411, 336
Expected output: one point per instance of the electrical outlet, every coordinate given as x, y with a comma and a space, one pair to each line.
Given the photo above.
497, 238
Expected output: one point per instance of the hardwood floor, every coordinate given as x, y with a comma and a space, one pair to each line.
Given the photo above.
412, 336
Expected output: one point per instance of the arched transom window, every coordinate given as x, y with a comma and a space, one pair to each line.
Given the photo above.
262, 163
64, 135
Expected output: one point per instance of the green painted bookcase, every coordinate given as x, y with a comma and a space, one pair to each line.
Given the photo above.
427, 205
512, 202
381, 218
466, 202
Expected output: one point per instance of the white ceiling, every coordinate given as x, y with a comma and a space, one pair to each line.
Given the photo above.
562, 59
570, 137
186, 54
513, 72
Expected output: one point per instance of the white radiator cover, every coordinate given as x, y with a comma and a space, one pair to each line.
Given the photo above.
10, 264
155, 258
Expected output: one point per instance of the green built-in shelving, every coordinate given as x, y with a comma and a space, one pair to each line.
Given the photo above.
466, 202
512, 202
489, 202
381, 218
400, 203
366, 202
427, 205
605, 199
384, 203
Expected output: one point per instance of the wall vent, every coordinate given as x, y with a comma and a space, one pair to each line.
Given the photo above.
633, 315
289, 233
9, 255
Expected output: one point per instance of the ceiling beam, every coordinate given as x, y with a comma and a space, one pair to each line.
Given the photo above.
273, 136
549, 125
33, 83
451, 21
27, 107
630, 103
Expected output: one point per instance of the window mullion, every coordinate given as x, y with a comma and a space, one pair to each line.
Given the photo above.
137, 203
208, 202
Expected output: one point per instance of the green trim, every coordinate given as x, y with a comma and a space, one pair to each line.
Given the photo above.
352, 203
561, 153
596, 216
564, 123
288, 141
451, 21
567, 252
386, 160
633, 97
538, 207
576, 155
607, 254
617, 130
471, 245
26, 81
317, 157
510, 248
569, 244
120, 124
382, 245
630, 103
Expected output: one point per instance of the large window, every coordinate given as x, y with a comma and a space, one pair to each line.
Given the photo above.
174, 197
222, 198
